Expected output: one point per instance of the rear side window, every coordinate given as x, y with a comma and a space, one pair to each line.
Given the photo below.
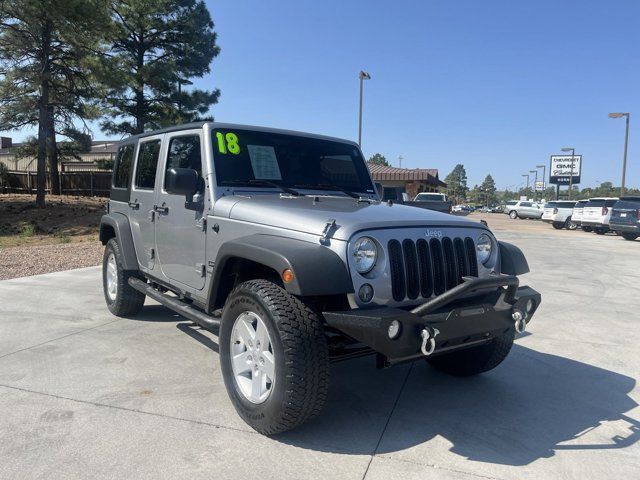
147, 164
184, 152
122, 169
551, 205
511, 203
525, 204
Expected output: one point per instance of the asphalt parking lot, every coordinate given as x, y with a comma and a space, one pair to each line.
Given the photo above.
84, 394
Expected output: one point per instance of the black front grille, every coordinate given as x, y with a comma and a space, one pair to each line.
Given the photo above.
425, 268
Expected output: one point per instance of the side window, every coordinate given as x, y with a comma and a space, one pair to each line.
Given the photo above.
184, 152
147, 164
122, 169
525, 204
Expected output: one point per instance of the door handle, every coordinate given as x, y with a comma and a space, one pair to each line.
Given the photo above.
134, 205
161, 209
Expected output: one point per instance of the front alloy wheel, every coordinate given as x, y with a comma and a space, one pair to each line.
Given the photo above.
253, 361
513, 214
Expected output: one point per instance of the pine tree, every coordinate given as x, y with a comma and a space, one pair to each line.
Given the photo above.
379, 159
156, 47
457, 183
46, 52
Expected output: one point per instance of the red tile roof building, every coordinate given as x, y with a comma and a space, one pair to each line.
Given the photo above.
413, 180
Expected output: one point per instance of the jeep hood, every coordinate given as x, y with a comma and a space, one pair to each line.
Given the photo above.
311, 214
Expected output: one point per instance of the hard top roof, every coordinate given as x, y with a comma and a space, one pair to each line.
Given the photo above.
230, 126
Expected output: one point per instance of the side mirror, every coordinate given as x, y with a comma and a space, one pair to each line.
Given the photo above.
181, 181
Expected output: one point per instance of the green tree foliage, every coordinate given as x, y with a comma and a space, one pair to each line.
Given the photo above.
488, 191
46, 52
379, 159
457, 184
156, 46
76, 142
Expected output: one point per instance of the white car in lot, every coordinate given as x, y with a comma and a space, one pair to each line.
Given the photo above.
576, 216
523, 209
558, 213
597, 214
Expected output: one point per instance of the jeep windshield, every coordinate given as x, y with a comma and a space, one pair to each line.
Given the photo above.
253, 158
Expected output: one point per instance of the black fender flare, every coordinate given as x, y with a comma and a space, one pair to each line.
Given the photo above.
512, 260
122, 232
317, 270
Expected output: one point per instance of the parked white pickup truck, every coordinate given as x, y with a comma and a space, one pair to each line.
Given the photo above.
558, 214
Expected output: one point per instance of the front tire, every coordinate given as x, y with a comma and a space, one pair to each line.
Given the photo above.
122, 300
288, 383
587, 229
475, 360
630, 236
558, 226
513, 214
600, 231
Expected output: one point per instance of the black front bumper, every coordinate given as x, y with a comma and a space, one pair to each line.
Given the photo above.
461, 320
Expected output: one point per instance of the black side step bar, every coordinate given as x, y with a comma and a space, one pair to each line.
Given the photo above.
178, 306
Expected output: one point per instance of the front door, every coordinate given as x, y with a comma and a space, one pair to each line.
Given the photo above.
142, 199
180, 232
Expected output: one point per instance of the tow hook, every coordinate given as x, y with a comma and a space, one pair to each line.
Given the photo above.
428, 335
520, 321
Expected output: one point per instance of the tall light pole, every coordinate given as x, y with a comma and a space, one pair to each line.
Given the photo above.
573, 154
544, 174
362, 76
626, 143
527, 190
535, 184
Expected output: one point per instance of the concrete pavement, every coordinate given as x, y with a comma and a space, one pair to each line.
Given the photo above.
84, 394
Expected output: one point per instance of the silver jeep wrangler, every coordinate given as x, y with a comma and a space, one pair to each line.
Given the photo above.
278, 243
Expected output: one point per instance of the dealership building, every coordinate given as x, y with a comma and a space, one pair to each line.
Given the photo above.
412, 180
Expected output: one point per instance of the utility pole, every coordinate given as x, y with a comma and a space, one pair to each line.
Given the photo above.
527, 190
400, 157
573, 154
535, 185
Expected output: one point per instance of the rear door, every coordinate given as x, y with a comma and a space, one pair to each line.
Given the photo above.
180, 232
593, 211
142, 199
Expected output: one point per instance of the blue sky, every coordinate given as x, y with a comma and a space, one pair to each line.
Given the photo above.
496, 85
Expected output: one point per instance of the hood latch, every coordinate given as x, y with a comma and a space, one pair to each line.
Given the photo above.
327, 230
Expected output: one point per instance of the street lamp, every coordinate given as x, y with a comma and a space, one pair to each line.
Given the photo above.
362, 76
535, 183
527, 190
544, 174
181, 81
626, 143
573, 153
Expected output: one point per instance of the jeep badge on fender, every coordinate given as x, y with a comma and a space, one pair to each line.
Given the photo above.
278, 242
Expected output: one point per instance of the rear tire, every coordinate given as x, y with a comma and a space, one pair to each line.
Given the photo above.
475, 360
600, 231
569, 225
558, 226
297, 352
587, 229
122, 300
513, 214
630, 236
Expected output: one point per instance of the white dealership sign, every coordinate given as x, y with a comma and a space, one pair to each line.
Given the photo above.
560, 169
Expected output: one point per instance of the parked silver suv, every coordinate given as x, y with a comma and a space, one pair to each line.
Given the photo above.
523, 209
277, 242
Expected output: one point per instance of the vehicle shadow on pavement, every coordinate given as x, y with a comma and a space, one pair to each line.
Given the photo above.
528, 408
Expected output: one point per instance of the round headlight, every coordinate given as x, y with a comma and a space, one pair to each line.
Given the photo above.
365, 254
484, 246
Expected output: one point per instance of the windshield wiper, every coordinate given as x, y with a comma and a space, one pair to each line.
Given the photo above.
259, 181
329, 186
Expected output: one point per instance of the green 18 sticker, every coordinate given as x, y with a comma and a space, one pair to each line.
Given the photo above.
228, 143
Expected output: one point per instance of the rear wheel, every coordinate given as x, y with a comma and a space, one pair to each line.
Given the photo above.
513, 214
558, 226
122, 300
630, 236
475, 360
274, 357
569, 225
600, 231
587, 229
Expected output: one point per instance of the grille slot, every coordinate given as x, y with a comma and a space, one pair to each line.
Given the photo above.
424, 268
